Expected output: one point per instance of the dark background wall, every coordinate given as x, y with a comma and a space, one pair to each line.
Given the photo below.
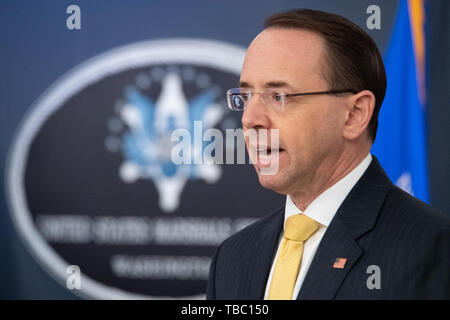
438, 102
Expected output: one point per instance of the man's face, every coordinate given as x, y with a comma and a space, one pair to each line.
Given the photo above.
310, 127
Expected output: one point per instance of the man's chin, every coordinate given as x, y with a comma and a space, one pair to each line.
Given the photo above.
273, 182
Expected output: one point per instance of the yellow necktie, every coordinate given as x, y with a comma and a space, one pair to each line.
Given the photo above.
297, 229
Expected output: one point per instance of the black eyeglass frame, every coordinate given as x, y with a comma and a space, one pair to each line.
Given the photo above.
332, 92
321, 92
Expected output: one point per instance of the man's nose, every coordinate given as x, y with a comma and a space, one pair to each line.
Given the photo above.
255, 115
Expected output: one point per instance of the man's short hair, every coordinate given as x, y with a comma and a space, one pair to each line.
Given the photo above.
353, 60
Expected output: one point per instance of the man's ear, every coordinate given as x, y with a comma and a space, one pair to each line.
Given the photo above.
360, 109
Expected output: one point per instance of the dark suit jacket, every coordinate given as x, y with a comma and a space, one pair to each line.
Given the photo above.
377, 224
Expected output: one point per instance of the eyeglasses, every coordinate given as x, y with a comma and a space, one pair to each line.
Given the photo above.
239, 98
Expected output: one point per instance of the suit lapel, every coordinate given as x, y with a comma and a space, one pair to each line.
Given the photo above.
356, 216
262, 255
322, 280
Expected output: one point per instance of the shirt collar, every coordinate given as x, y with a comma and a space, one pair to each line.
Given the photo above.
325, 206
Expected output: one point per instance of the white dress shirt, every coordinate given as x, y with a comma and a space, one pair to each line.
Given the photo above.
322, 210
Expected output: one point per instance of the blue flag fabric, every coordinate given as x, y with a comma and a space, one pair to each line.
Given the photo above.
400, 145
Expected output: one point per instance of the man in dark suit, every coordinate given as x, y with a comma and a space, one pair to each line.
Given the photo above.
346, 232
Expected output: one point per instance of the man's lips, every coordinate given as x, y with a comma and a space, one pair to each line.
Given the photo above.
265, 149
265, 156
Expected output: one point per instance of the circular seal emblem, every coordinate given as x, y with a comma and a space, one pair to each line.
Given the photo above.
92, 188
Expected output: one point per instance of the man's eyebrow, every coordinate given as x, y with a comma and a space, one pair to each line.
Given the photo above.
277, 84
270, 84
244, 85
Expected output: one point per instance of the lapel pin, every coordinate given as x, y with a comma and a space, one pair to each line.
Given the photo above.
339, 263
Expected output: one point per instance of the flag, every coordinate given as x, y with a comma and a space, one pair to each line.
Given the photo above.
339, 263
400, 145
